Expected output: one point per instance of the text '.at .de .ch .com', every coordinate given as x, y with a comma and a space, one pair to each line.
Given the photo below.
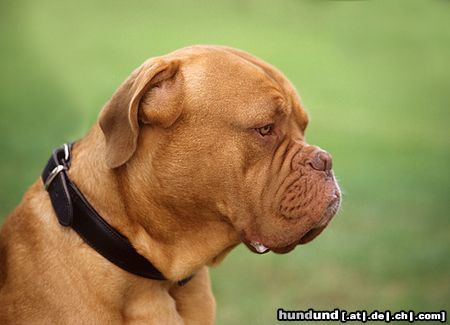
344, 316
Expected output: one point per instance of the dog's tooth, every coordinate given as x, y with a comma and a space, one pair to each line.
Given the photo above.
260, 248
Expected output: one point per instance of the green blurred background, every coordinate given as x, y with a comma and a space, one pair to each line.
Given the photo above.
375, 77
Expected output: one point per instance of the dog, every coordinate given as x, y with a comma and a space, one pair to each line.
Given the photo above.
197, 151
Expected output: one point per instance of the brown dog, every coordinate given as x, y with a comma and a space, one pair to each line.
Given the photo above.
197, 151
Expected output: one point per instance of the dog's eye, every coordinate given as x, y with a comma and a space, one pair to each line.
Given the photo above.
265, 130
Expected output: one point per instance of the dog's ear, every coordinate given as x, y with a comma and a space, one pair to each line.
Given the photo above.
151, 95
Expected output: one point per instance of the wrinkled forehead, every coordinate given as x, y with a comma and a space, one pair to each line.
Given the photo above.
220, 80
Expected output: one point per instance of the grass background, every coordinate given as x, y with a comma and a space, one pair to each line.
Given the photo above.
375, 77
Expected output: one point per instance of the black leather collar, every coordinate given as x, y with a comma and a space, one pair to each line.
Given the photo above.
73, 210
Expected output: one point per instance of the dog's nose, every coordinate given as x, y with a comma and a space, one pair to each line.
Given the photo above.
321, 161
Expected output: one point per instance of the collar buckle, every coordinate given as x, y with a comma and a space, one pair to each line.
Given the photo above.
63, 164
53, 175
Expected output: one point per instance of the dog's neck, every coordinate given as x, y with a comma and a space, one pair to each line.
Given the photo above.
177, 243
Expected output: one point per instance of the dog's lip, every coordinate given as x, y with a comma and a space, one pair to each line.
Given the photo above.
259, 248
310, 235
306, 238
285, 249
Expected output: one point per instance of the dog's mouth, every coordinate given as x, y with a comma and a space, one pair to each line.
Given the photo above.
260, 248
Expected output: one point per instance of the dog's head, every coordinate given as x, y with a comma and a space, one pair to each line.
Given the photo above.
220, 133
